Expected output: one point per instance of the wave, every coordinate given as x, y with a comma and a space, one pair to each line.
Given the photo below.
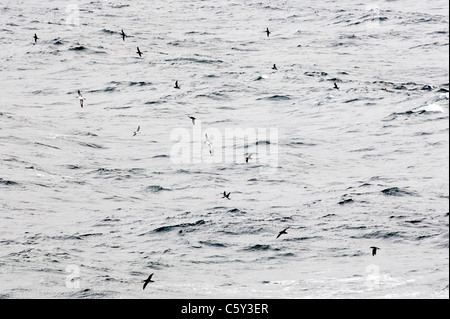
315, 73
78, 48
346, 201
109, 31
58, 41
296, 144
261, 77
380, 234
107, 89
215, 96
156, 189
194, 60
395, 191
140, 83
118, 173
213, 244
171, 227
91, 145
235, 210
258, 247
432, 108
420, 110
120, 6
155, 102
7, 182
46, 145
275, 98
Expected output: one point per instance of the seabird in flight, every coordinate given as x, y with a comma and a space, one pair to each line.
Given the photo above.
149, 279
268, 32
137, 131
374, 250
35, 38
208, 142
336, 86
81, 98
225, 195
283, 232
176, 85
139, 52
193, 119
274, 67
123, 35
249, 156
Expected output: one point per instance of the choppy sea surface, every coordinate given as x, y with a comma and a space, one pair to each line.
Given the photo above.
87, 210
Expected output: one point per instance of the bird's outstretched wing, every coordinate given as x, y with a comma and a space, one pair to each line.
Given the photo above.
208, 141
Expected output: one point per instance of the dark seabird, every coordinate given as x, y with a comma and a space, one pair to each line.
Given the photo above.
139, 52
149, 279
123, 35
193, 119
374, 250
81, 98
283, 232
274, 67
137, 131
248, 157
176, 85
225, 195
35, 38
336, 86
268, 32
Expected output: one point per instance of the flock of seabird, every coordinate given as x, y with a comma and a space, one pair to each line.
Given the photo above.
207, 142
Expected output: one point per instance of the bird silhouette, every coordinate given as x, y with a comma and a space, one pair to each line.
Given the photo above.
268, 32
137, 131
225, 195
336, 86
193, 119
147, 281
374, 250
139, 52
283, 232
249, 156
176, 85
274, 67
123, 35
35, 38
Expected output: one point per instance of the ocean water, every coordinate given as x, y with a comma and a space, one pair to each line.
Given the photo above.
87, 210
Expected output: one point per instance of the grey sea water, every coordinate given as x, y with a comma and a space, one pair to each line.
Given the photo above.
87, 210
